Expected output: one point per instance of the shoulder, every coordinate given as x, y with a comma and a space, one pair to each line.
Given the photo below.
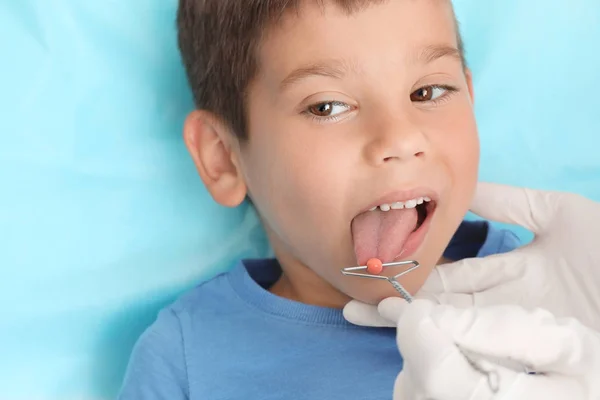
480, 238
158, 366
498, 240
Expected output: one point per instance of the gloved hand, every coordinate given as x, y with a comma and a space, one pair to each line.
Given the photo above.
559, 271
564, 353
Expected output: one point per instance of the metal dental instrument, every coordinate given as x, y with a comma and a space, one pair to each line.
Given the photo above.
492, 376
352, 271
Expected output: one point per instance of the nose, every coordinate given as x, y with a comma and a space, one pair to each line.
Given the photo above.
395, 138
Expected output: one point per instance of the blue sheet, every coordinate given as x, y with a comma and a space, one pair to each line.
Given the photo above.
102, 217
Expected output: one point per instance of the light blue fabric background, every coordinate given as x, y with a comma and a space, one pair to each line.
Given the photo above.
102, 217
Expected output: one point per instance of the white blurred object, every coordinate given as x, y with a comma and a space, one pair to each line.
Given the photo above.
565, 353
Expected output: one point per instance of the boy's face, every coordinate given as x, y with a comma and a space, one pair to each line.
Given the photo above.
353, 111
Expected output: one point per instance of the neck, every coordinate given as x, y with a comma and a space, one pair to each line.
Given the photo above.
300, 283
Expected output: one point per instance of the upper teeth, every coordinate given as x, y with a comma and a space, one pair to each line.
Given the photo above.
402, 204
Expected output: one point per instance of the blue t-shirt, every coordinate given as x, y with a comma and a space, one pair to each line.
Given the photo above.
230, 338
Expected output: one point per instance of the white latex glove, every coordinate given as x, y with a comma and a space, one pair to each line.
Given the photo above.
559, 271
566, 352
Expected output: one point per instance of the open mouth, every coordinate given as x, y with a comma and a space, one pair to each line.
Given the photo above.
423, 211
392, 231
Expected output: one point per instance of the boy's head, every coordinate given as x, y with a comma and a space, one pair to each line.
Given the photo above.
320, 111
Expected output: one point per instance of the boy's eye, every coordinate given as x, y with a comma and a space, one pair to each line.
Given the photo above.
328, 109
428, 93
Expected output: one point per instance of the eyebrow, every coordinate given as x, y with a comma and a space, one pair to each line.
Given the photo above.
337, 69
328, 68
432, 53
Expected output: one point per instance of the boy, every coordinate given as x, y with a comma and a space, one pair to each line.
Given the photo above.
350, 126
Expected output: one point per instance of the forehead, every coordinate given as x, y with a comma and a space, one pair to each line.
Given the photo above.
388, 32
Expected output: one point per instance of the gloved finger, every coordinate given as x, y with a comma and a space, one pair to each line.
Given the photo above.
536, 339
523, 291
409, 387
392, 308
362, 314
531, 209
404, 388
437, 366
493, 297
473, 275
458, 300
527, 387
500, 383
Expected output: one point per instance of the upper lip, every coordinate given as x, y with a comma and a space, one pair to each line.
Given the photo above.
403, 196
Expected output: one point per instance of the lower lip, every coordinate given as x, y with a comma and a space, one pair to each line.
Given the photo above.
415, 240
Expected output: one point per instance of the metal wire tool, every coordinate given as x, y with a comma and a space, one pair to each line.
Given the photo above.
354, 271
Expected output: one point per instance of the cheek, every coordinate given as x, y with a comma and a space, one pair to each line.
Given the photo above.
467, 160
463, 157
455, 145
294, 184
458, 146
293, 173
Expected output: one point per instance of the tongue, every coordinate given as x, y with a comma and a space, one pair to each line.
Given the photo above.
382, 235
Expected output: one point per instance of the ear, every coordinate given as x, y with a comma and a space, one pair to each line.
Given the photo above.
210, 144
469, 78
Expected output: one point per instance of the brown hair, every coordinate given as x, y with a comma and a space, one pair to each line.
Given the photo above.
218, 40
